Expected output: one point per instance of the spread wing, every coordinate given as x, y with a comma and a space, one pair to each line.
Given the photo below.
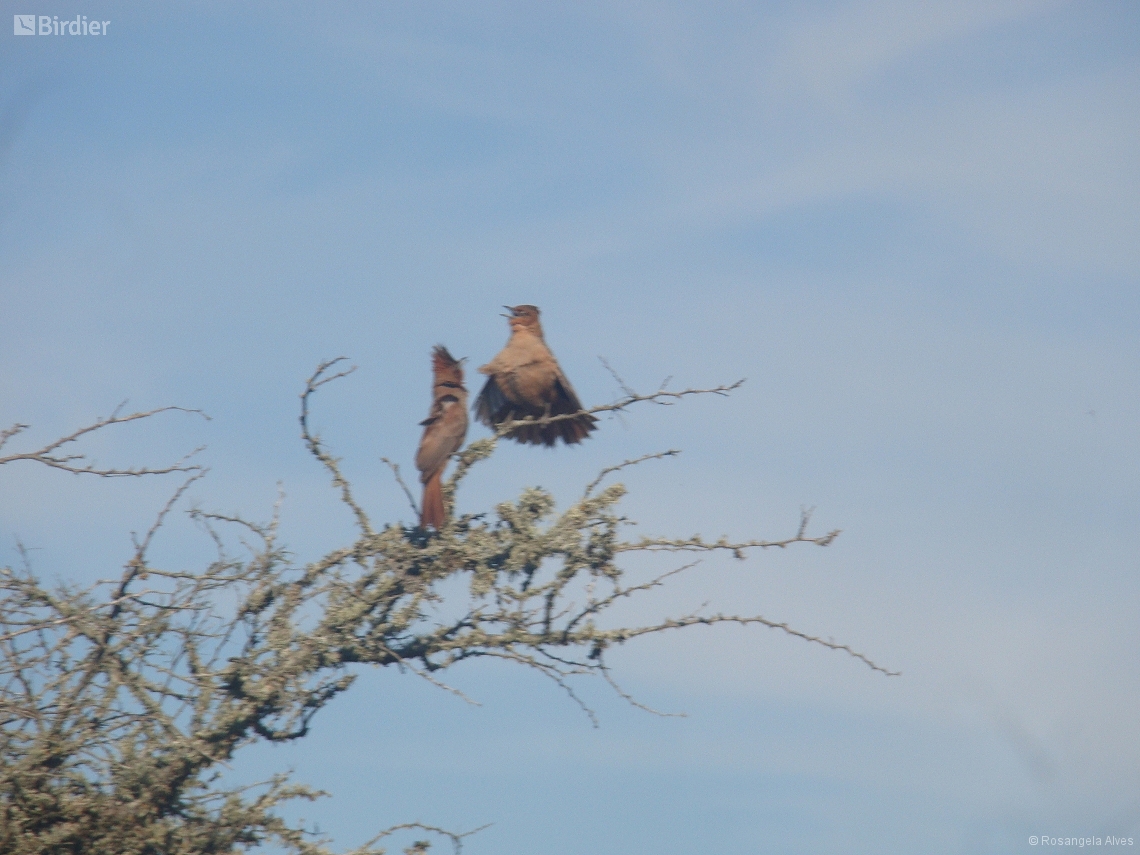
565, 398
566, 402
492, 406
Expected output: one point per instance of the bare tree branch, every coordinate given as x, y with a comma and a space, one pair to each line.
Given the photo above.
456, 839
313, 442
661, 397
399, 480
672, 452
619, 379
118, 703
79, 464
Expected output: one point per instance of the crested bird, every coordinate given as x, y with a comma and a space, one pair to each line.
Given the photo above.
444, 431
524, 380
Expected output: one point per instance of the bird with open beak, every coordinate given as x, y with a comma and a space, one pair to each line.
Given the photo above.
524, 381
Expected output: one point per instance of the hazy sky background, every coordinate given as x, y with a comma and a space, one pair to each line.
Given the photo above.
915, 229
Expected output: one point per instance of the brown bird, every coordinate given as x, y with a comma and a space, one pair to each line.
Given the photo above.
444, 430
524, 379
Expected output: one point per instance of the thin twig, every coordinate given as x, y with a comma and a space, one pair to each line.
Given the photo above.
672, 452
661, 397
399, 480
617, 377
74, 462
419, 672
693, 620
455, 838
313, 442
66, 619
697, 544
628, 698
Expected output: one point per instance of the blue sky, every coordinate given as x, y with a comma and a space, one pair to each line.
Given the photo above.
913, 228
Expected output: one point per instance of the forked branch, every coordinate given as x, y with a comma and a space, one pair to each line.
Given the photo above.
661, 397
54, 456
313, 442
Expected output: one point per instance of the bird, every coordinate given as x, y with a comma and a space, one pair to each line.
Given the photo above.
444, 431
524, 380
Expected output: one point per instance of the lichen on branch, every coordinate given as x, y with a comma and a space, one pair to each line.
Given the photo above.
120, 702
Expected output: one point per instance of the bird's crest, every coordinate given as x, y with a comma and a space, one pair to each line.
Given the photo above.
445, 367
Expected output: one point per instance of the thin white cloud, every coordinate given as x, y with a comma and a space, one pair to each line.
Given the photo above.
1046, 175
829, 52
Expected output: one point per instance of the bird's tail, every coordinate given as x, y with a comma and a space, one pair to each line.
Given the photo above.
433, 513
570, 431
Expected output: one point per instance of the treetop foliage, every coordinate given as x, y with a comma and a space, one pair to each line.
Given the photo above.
121, 703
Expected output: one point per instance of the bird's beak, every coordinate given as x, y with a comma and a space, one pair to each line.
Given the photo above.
512, 311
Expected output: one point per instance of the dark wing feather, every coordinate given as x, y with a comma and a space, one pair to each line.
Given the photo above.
492, 408
566, 401
490, 404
